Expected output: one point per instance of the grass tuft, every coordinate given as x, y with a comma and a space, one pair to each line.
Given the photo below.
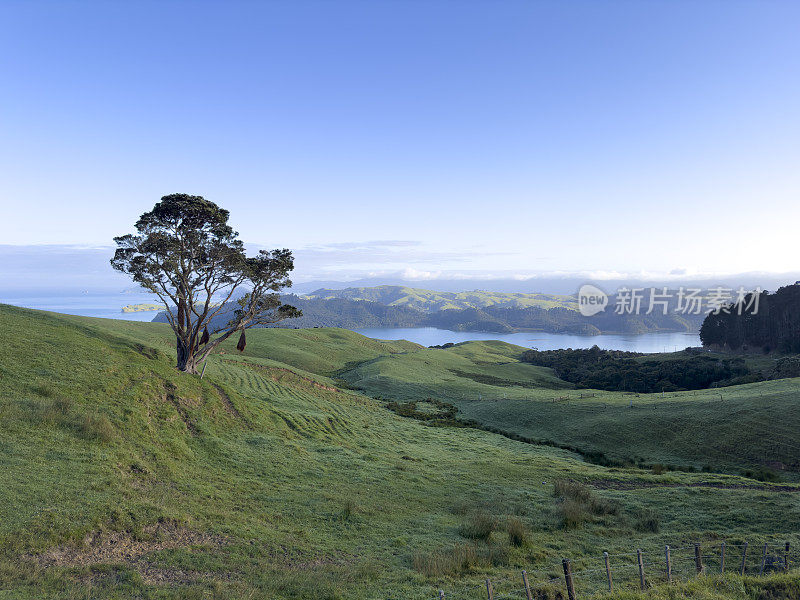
646, 520
479, 526
578, 504
518, 534
459, 559
96, 428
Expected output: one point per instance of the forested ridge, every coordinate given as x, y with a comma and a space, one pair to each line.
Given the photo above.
769, 322
615, 370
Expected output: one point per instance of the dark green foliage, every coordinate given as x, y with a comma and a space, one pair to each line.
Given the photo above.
443, 415
775, 326
616, 370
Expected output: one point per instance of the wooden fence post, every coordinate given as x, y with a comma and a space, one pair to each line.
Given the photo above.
608, 572
744, 559
722, 558
568, 578
527, 586
489, 590
786, 557
698, 559
642, 582
763, 560
669, 564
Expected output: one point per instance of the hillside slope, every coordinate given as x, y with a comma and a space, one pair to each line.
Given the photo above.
122, 478
748, 428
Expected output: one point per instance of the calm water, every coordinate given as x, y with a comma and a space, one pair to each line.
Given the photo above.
107, 306
646, 342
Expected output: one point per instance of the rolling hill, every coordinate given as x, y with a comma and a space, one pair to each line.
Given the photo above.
270, 478
431, 301
734, 429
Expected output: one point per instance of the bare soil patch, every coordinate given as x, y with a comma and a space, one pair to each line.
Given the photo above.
120, 547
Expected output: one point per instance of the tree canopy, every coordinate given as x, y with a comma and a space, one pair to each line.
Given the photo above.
187, 254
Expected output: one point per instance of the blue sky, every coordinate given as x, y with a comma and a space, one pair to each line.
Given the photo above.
430, 138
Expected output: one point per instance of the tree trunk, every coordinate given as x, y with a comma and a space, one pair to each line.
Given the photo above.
186, 358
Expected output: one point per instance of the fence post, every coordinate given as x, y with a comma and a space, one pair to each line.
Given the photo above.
568, 578
722, 558
669, 564
642, 582
786, 557
698, 559
489, 590
527, 586
608, 572
763, 560
744, 558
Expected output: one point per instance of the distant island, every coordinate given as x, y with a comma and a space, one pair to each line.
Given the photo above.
134, 308
432, 301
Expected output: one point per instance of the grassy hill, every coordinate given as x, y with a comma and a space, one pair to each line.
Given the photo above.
121, 478
431, 301
741, 428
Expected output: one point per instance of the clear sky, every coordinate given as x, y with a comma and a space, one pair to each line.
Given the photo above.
435, 136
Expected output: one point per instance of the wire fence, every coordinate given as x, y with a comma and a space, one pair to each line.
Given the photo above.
640, 569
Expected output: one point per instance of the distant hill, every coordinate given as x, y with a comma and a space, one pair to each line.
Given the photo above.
345, 309
432, 301
334, 312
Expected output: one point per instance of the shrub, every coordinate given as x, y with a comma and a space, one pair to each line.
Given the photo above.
479, 527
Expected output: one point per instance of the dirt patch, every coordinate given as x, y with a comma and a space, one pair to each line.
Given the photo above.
123, 548
610, 484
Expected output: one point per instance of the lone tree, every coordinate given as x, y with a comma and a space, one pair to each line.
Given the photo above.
186, 253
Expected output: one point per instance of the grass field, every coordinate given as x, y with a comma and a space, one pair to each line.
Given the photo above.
751, 427
121, 478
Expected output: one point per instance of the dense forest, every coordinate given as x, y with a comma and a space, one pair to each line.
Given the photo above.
769, 322
615, 370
